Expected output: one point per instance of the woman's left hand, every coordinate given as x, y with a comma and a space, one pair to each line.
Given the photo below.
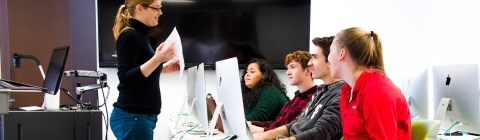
171, 66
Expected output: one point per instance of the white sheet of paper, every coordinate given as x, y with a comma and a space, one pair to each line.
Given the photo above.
175, 37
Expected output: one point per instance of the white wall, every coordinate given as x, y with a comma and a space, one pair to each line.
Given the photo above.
415, 35
454, 36
403, 26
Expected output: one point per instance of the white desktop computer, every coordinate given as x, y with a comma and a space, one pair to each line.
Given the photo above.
201, 96
415, 89
189, 100
230, 94
456, 96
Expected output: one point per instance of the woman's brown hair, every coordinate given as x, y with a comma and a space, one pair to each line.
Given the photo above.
125, 12
364, 47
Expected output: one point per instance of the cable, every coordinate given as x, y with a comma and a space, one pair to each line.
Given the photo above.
182, 114
188, 131
448, 130
70, 95
176, 134
105, 120
106, 110
108, 93
230, 137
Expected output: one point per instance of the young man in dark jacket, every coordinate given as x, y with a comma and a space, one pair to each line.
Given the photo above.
320, 120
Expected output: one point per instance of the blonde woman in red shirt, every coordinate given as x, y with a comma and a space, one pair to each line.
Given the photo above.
371, 106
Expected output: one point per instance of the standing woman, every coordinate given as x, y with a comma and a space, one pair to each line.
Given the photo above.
134, 115
371, 106
262, 92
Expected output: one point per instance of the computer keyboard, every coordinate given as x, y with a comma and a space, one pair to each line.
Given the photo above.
32, 108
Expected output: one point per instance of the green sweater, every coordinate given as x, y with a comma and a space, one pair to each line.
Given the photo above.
269, 103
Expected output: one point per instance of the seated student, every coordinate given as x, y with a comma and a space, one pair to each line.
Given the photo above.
299, 74
320, 120
262, 92
372, 107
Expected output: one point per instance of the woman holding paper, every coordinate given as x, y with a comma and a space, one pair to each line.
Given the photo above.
134, 115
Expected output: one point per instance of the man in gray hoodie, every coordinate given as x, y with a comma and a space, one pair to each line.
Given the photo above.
320, 120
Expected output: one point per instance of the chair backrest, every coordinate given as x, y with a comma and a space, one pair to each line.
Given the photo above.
422, 128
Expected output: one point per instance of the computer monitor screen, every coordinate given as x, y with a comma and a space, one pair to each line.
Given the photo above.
201, 98
460, 83
191, 80
55, 69
415, 86
230, 94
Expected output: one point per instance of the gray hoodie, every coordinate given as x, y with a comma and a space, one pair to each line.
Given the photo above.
320, 120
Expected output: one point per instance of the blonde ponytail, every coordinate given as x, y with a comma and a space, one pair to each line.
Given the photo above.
121, 20
377, 53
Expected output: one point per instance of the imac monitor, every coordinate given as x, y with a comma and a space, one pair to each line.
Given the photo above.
415, 86
188, 100
191, 80
201, 98
54, 74
230, 94
460, 83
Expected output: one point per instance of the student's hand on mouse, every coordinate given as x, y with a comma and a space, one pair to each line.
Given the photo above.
164, 53
171, 66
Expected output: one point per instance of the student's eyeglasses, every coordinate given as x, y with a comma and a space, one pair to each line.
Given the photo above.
154, 8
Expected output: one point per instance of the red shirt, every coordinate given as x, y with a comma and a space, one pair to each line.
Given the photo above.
378, 110
290, 110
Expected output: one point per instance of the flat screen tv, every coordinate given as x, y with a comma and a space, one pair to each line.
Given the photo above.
213, 30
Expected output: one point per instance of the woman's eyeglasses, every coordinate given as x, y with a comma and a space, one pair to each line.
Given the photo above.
154, 8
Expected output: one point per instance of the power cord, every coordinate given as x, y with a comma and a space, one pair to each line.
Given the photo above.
70, 95
188, 131
182, 114
448, 130
75, 115
106, 110
230, 137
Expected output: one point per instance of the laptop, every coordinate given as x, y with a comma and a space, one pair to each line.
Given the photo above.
52, 79
12, 85
50, 84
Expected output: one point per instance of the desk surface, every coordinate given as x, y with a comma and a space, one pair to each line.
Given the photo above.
192, 134
5, 98
457, 138
17, 90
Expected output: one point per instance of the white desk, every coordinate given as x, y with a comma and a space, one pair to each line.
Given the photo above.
457, 137
190, 136
176, 134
